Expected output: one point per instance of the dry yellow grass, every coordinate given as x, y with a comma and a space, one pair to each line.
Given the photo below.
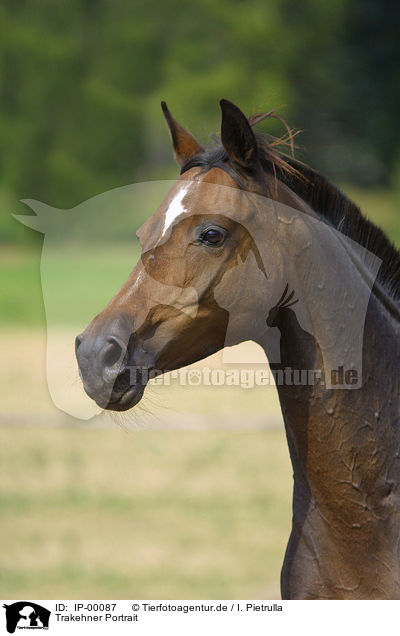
92, 511
109, 514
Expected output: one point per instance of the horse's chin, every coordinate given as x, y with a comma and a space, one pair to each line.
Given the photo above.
127, 400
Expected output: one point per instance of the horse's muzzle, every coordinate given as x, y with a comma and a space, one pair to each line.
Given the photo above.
106, 375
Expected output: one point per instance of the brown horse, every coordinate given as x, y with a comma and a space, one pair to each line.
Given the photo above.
250, 245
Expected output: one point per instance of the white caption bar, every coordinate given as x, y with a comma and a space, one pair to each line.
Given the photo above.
151, 617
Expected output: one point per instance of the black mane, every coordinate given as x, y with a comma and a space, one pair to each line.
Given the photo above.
323, 197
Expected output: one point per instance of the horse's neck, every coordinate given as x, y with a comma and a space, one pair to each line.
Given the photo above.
344, 442
344, 447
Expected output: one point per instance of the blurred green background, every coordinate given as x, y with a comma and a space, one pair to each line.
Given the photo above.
149, 511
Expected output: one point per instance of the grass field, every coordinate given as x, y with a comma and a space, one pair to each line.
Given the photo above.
107, 514
191, 501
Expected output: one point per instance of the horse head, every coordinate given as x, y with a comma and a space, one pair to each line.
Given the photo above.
202, 276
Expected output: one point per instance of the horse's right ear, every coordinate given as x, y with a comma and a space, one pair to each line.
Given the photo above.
185, 145
237, 135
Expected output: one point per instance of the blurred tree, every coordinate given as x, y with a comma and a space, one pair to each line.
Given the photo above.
81, 82
346, 87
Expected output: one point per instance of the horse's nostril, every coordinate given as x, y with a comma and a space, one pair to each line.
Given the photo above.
78, 342
112, 352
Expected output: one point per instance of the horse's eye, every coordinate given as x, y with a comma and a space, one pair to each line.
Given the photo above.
213, 236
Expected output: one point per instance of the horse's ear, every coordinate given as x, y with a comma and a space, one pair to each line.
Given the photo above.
185, 145
237, 135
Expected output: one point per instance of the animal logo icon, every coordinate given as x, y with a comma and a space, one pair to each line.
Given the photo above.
26, 615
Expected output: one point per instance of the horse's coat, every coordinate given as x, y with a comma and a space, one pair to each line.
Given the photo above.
250, 249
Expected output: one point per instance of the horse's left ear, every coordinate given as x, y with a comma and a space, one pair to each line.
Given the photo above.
237, 135
185, 145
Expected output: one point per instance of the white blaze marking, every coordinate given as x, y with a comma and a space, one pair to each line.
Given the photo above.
175, 208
